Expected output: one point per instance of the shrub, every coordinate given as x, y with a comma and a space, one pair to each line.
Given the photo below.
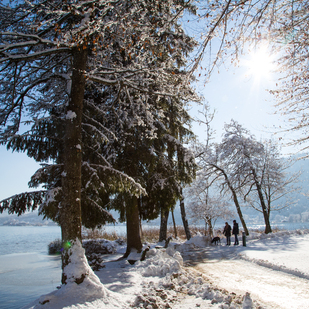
55, 247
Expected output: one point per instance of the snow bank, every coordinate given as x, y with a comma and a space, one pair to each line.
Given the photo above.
160, 262
169, 280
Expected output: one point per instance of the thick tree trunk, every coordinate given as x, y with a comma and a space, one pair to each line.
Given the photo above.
133, 231
184, 217
174, 224
70, 217
163, 225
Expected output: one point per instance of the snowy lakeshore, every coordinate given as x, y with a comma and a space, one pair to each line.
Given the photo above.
272, 271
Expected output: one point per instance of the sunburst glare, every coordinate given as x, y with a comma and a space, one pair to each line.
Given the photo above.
260, 64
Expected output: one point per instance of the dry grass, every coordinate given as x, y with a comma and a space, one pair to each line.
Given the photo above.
98, 234
149, 234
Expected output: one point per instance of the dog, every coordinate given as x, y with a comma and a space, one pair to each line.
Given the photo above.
216, 240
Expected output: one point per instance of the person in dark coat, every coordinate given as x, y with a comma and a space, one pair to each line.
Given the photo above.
227, 233
235, 232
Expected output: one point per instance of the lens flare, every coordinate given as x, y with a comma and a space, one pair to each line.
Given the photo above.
67, 245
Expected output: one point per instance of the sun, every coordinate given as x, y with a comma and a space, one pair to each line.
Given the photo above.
260, 63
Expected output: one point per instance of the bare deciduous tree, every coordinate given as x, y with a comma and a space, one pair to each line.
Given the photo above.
229, 29
206, 206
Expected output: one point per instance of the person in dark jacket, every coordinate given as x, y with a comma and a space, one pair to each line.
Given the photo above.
227, 233
235, 232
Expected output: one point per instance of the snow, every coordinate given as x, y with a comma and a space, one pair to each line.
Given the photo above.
272, 271
70, 115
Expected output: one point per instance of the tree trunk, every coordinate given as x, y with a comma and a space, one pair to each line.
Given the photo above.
163, 225
210, 229
264, 209
239, 212
263, 205
133, 231
174, 224
184, 217
235, 199
141, 227
70, 217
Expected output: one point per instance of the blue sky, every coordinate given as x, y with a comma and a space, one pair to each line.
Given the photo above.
240, 94
16, 170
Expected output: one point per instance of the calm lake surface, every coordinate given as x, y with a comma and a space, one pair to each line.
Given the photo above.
26, 269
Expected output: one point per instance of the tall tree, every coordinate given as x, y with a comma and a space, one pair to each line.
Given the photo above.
218, 169
214, 169
154, 154
147, 159
45, 64
276, 183
257, 168
246, 155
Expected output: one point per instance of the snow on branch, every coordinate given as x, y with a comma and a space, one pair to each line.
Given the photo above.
20, 203
122, 176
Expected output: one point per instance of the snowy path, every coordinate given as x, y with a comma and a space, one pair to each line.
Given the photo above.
286, 287
270, 287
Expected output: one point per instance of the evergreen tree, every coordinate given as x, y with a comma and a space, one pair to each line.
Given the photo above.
148, 161
48, 52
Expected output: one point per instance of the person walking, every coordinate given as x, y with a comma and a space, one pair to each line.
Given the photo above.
235, 232
227, 233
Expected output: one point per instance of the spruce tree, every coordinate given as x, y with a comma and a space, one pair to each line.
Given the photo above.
49, 51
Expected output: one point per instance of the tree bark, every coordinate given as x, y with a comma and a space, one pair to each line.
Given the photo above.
235, 199
184, 217
163, 225
174, 224
239, 212
210, 228
263, 205
70, 217
206, 227
133, 228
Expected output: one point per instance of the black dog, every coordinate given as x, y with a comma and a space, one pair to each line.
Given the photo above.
216, 240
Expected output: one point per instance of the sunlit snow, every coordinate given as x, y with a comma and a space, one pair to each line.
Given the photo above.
272, 271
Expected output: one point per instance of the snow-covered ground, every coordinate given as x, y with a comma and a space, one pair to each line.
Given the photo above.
272, 271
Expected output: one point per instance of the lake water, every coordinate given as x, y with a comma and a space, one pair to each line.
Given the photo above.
26, 269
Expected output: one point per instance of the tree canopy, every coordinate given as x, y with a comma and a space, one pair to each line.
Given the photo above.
50, 53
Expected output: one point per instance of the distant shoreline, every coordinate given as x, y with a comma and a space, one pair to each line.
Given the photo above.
28, 224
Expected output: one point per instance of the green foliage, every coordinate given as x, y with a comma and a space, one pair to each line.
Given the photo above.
133, 122
20, 203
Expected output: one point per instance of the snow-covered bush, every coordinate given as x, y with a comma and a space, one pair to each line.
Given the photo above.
99, 246
92, 246
55, 247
